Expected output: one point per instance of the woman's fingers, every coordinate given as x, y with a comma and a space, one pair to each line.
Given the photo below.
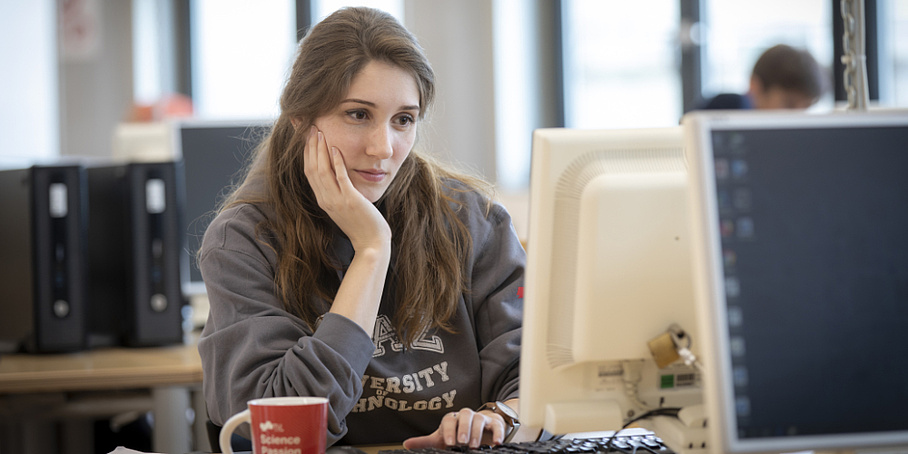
325, 166
464, 427
475, 429
449, 429
340, 171
311, 164
320, 166
496, 425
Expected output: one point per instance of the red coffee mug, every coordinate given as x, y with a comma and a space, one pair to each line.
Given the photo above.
282, 425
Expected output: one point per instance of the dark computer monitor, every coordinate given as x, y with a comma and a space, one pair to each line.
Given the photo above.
800, 246
214, 155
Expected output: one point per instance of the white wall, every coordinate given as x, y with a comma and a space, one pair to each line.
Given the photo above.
66, 80
457, 38
96, 80
487, 103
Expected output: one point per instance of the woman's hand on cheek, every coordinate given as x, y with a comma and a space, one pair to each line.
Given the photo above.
355, 215
466, 427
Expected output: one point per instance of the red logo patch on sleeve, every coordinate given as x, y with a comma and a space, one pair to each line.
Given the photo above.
520, 292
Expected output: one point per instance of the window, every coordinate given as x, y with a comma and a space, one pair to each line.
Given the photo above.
322, 8
29, 113
516, 83
621, 63
241, 55
151, 62
736, 33
893, 29
242, 52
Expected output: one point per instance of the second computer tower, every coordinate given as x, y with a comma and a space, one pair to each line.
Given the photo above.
135, 242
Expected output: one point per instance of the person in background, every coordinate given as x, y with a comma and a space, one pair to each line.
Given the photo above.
349, 265
782, 78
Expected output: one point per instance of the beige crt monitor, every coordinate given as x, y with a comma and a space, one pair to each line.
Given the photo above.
608, 270
800, 227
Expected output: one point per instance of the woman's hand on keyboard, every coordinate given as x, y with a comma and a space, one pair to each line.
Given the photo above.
466, 427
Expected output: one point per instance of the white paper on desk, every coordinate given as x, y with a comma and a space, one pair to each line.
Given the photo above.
122, 450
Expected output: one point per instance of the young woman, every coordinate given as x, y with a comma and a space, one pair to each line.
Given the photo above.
347, 265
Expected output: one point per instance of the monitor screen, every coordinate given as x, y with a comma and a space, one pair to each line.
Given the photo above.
214, 155
608, 271
802, 277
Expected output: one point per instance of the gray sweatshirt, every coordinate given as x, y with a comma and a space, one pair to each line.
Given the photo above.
380, 391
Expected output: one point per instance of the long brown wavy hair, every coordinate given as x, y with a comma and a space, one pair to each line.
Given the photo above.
430, 244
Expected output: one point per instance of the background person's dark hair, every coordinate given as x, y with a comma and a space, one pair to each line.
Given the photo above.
791, 69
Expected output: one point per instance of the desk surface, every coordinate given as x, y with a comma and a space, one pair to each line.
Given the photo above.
109, 368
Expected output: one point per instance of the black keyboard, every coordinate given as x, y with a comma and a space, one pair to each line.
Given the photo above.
636, 443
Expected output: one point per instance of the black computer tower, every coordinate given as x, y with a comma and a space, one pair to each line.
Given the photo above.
135, 242
43, 259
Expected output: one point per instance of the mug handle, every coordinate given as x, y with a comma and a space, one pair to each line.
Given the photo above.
229, 427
